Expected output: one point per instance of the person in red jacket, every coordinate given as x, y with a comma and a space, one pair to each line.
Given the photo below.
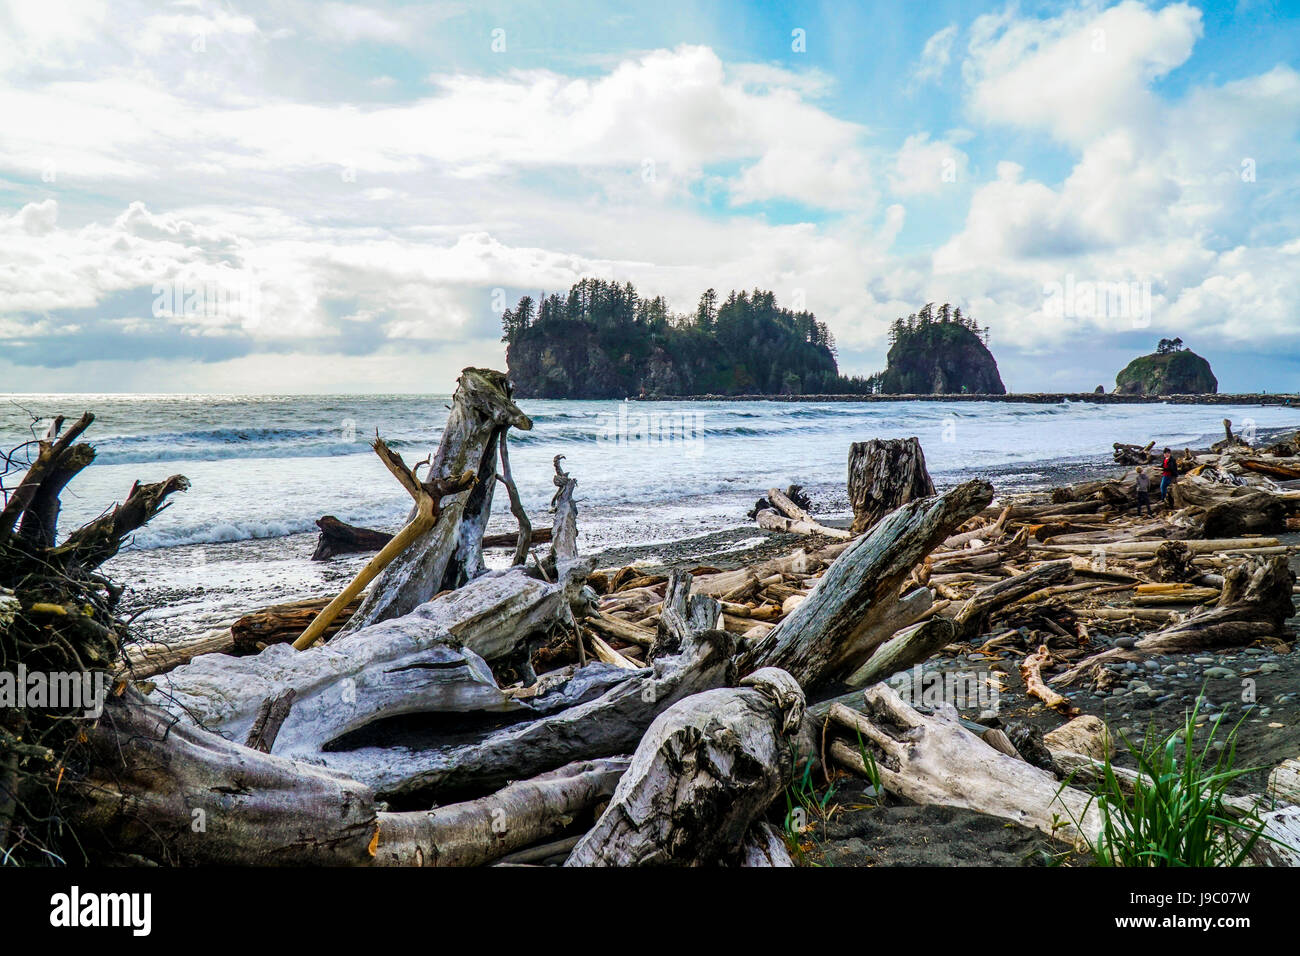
1168, 474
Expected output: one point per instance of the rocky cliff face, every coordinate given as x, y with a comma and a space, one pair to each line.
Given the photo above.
943, 358
565, 359
1169, 373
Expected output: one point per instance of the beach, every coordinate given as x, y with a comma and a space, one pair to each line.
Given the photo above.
659, 483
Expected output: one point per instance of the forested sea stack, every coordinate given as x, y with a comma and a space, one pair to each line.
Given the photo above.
939, 352
602, 340
1172, 369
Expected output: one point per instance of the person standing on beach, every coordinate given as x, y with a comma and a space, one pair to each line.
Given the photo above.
1143, 487
1168, 472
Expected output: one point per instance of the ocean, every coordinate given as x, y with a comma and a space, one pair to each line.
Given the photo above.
263, 468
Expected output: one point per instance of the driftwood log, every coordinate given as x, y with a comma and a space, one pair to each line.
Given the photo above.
1252, 604
833, 633
449, 553
338, 537
885, 473
935, 760
705, 770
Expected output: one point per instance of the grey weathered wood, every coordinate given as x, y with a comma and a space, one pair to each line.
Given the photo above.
705, 770
913, 645
431, 660
935, 760
884, 474
477, 832
764, 847
175, 793
974, 614
601, 711
451, 552
1252, 604
834, 631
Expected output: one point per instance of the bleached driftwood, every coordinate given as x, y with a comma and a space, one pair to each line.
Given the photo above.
1252, 604
910, 646
450, 553
164, 789
480, 831
1284, 782
702, 774
935, 760
797, 519
598, 711
832, 633
431, 660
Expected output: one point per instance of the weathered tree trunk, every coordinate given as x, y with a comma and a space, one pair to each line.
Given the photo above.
178, 794
450, 553
883, 475
483, 830
1256, 512
338, 537
430, 661
835, 631
933, 760
703, 773
974, 614
600, 711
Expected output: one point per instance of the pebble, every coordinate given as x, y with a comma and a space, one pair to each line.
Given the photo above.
1169, 669
1203, 660
1125, 642
1220, 673
1151, 666
1255, 650
1130, 667
1269, 668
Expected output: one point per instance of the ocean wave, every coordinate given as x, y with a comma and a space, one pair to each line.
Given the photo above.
222, 443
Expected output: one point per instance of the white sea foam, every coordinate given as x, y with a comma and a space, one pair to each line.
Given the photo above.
267, 466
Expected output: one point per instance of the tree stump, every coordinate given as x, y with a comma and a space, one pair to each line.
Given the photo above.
883, 475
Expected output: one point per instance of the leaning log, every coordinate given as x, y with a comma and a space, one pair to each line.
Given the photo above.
706, 769
450, 553
885, 473
835, 631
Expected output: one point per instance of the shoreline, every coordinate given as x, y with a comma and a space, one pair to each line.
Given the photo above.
1026, 398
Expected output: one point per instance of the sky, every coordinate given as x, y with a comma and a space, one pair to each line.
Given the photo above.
293, 196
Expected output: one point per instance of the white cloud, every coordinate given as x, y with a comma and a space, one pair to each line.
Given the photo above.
935, 56
922, 167
1079, 74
